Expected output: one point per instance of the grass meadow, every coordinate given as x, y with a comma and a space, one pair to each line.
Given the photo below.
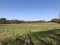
26, 27
30, 34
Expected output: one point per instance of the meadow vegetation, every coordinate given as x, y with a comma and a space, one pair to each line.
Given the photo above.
16, 32
30, 34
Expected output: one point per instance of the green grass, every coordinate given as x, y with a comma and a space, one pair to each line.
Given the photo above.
41, 33
26, 27
50, 36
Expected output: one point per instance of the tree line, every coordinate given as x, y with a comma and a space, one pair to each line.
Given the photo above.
56, 20
5, 21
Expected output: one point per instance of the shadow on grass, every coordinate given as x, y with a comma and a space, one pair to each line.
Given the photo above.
50, 37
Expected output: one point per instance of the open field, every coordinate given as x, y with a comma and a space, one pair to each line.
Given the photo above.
34, 34
26, 27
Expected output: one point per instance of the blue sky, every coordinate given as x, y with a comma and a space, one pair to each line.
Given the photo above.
29, 9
